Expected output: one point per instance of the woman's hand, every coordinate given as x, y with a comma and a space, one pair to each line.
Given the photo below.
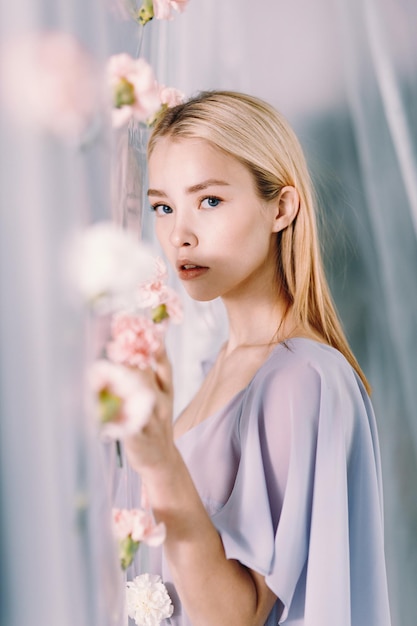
153, 445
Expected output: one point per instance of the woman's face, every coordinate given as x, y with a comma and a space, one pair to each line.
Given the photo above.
213, 227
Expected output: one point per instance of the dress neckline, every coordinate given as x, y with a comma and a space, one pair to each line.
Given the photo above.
286, 343
242, 391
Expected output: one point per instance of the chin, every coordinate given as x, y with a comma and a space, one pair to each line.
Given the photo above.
198, 298
202, 296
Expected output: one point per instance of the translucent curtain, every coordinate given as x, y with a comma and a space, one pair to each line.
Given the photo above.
344, 73
58, 562
380, 55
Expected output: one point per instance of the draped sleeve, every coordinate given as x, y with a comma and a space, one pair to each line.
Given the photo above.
305, 510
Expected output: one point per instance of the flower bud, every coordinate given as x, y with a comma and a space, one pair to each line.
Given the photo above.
160, 313
145, 13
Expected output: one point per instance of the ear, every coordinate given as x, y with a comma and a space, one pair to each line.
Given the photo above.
287, 205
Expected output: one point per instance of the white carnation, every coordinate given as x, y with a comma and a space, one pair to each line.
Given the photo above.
106, 264
148, 602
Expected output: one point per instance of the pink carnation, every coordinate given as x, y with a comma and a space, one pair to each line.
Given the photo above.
163, 8
135, 340
122, 523
152, 293
161, 271
139, 525
49, 82
155, 292
170, 96
126, 401
174, 306
135, 92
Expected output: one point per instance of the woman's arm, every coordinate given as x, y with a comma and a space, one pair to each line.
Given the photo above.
214, 590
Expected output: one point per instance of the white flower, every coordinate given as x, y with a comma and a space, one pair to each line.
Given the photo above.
106, 264
148, 602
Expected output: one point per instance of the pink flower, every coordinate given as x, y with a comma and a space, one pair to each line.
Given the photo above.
136, 339
170, 96
132, 527
163, 8
123, 402
173, 306
155, 293
161, 271
151, 292
49, 82
139, 525
134, 89
122, 523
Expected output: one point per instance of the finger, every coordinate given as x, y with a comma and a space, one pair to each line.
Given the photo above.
147, 376
163, 371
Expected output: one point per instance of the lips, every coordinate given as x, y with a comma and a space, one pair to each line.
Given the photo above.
188, 264
187, 270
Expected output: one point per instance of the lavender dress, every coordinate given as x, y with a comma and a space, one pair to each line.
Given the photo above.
289, 471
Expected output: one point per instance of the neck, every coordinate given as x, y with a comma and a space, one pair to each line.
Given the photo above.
256, 320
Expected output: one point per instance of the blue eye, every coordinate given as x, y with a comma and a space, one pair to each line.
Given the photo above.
210, 202
161, 209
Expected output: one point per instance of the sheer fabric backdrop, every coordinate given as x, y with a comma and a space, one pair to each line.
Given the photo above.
343, 72
58, 561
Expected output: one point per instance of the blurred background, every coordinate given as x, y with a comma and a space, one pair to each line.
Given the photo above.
344, 73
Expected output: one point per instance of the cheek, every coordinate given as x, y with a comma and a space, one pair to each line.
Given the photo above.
248, 240
162, 233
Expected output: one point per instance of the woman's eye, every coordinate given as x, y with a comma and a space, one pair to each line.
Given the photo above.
210, 202
161, 209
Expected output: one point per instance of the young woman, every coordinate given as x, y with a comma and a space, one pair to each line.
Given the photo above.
269, 481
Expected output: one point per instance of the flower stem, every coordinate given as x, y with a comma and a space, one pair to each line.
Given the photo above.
119, 454
140, 40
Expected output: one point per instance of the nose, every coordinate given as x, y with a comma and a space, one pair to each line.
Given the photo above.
183, 234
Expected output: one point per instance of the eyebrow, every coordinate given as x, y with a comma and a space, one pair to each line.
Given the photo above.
211, 182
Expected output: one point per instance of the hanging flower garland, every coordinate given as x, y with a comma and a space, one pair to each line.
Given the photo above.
115, 274
141, 305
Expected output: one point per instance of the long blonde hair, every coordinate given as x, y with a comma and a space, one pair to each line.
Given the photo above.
255, 134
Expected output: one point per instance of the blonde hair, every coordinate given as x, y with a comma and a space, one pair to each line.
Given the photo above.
255, 134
